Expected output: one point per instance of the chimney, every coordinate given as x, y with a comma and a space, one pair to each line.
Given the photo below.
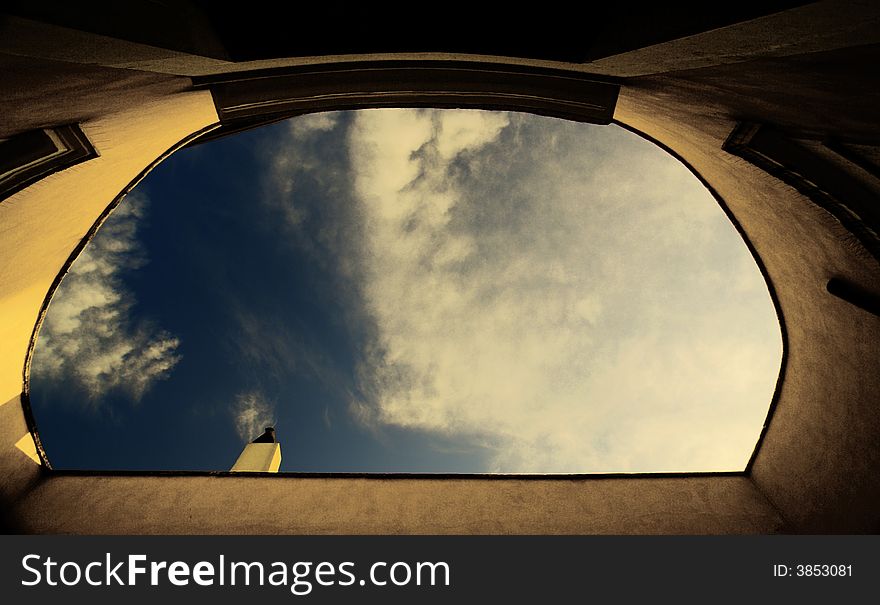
262, 455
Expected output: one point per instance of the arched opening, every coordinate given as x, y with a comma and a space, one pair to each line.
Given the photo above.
413, 290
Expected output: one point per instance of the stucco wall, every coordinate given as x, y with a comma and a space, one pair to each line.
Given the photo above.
278, 504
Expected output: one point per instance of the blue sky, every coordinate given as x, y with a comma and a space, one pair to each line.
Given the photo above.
412, 291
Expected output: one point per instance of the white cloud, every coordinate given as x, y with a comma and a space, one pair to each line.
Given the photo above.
288, 163
459, 131
562, 290
313, 122
252, 413
88, 337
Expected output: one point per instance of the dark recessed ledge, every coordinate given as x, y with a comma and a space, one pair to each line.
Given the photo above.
33, 155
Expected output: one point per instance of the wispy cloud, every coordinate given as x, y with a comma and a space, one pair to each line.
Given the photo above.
252, 413
567, 296
570, 293
313, 122
88, 338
